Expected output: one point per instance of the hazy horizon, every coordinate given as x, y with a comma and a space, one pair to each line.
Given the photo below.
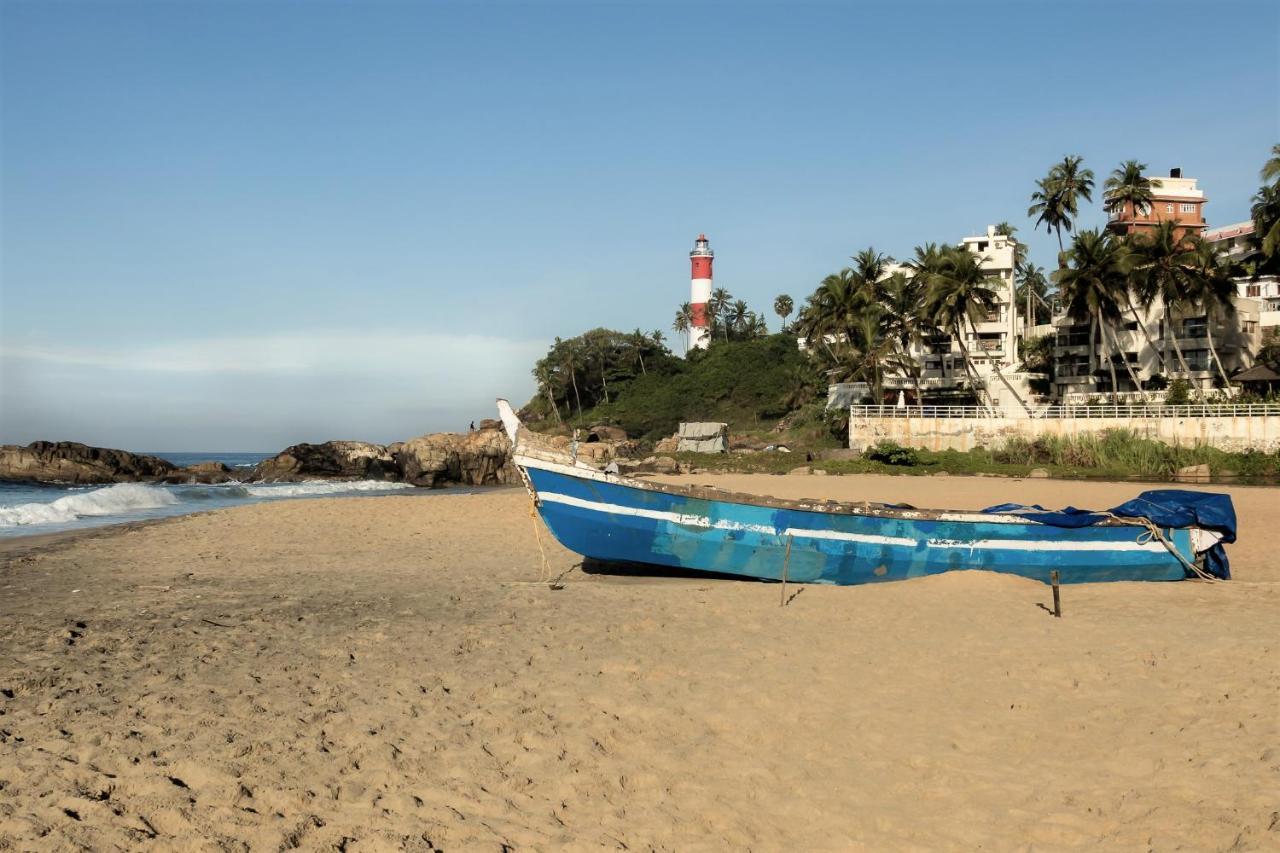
238, 227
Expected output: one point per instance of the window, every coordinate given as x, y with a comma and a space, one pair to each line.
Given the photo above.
1072, 336
1253, 290
1144, 209
1231, 242
1168, 208
1188, 207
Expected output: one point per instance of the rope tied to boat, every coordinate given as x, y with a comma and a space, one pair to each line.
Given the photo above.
1153, 532
544, 574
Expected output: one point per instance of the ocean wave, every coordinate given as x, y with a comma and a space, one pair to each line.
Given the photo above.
112, 500
221, 492
317, 488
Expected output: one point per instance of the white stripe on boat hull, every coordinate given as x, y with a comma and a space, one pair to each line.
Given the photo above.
690, 520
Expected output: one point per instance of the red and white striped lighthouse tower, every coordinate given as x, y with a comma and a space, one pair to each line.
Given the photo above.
700, 293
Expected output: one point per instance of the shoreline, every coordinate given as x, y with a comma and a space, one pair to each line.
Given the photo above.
11, 543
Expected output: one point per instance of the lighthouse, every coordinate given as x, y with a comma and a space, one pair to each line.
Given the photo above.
700, 293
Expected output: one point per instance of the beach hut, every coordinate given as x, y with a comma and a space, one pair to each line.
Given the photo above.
1259, 379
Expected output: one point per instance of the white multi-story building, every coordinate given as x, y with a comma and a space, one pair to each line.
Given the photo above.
992, 343
1234, 242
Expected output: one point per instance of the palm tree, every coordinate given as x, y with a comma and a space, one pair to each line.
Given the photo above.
570, 362
903, 323
1055, 203
737, 318
658, 338
1270, 173
955, 296
783, 306
1213, 289
1073, 182
1032, 288
638, 341
1019, 249
600, 347
870, 267
718, 307
1160, 272
1128, 188
1092, 286
831, 311
1265, 213
758, 327
1047, 208
543, 373
683, 323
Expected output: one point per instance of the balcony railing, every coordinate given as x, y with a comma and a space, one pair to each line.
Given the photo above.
1199, 410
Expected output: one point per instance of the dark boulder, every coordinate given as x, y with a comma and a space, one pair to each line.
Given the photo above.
201, 472
333, 460
72, 462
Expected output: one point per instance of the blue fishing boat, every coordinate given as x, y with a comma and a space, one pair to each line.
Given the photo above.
1160, 535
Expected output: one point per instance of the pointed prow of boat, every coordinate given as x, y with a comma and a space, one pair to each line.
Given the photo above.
1164, 534
510, 420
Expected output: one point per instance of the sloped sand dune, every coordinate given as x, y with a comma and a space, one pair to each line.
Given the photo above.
379, 673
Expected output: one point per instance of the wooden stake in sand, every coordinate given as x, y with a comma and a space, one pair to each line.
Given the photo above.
1057, 602
785, 560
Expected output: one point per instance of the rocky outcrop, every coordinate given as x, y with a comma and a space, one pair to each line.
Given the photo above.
667, 445
201, 472
333, 460
606, 432
479, 458
71, 462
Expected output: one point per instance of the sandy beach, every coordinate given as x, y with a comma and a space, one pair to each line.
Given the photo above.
386, 673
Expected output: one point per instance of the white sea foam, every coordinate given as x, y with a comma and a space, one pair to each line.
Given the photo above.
316, 488
112, 500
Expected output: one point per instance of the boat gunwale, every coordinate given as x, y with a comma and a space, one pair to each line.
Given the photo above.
534, 451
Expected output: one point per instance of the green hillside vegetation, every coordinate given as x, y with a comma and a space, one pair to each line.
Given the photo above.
634, 382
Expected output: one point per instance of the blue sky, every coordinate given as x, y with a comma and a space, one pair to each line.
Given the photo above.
242, 225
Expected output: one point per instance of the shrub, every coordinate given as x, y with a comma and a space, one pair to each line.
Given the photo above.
1179, 393
891, 453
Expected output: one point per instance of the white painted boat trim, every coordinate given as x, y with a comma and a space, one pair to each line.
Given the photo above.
585, 472
702, 521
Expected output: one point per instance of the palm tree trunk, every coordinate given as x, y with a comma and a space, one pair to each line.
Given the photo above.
546, 389
1213, 351
979, 388
1111, 361
1173, 339
995, 365
1093, 347
1146, 334
573, 378
915, 374
1133, 377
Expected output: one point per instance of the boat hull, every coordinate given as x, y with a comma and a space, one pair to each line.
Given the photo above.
609, 520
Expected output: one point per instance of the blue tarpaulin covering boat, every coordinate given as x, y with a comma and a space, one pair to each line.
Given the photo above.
1161, 535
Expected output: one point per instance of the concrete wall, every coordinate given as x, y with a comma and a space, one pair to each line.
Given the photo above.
1260, 432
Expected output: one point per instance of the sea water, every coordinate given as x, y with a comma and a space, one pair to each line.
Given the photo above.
28, 508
